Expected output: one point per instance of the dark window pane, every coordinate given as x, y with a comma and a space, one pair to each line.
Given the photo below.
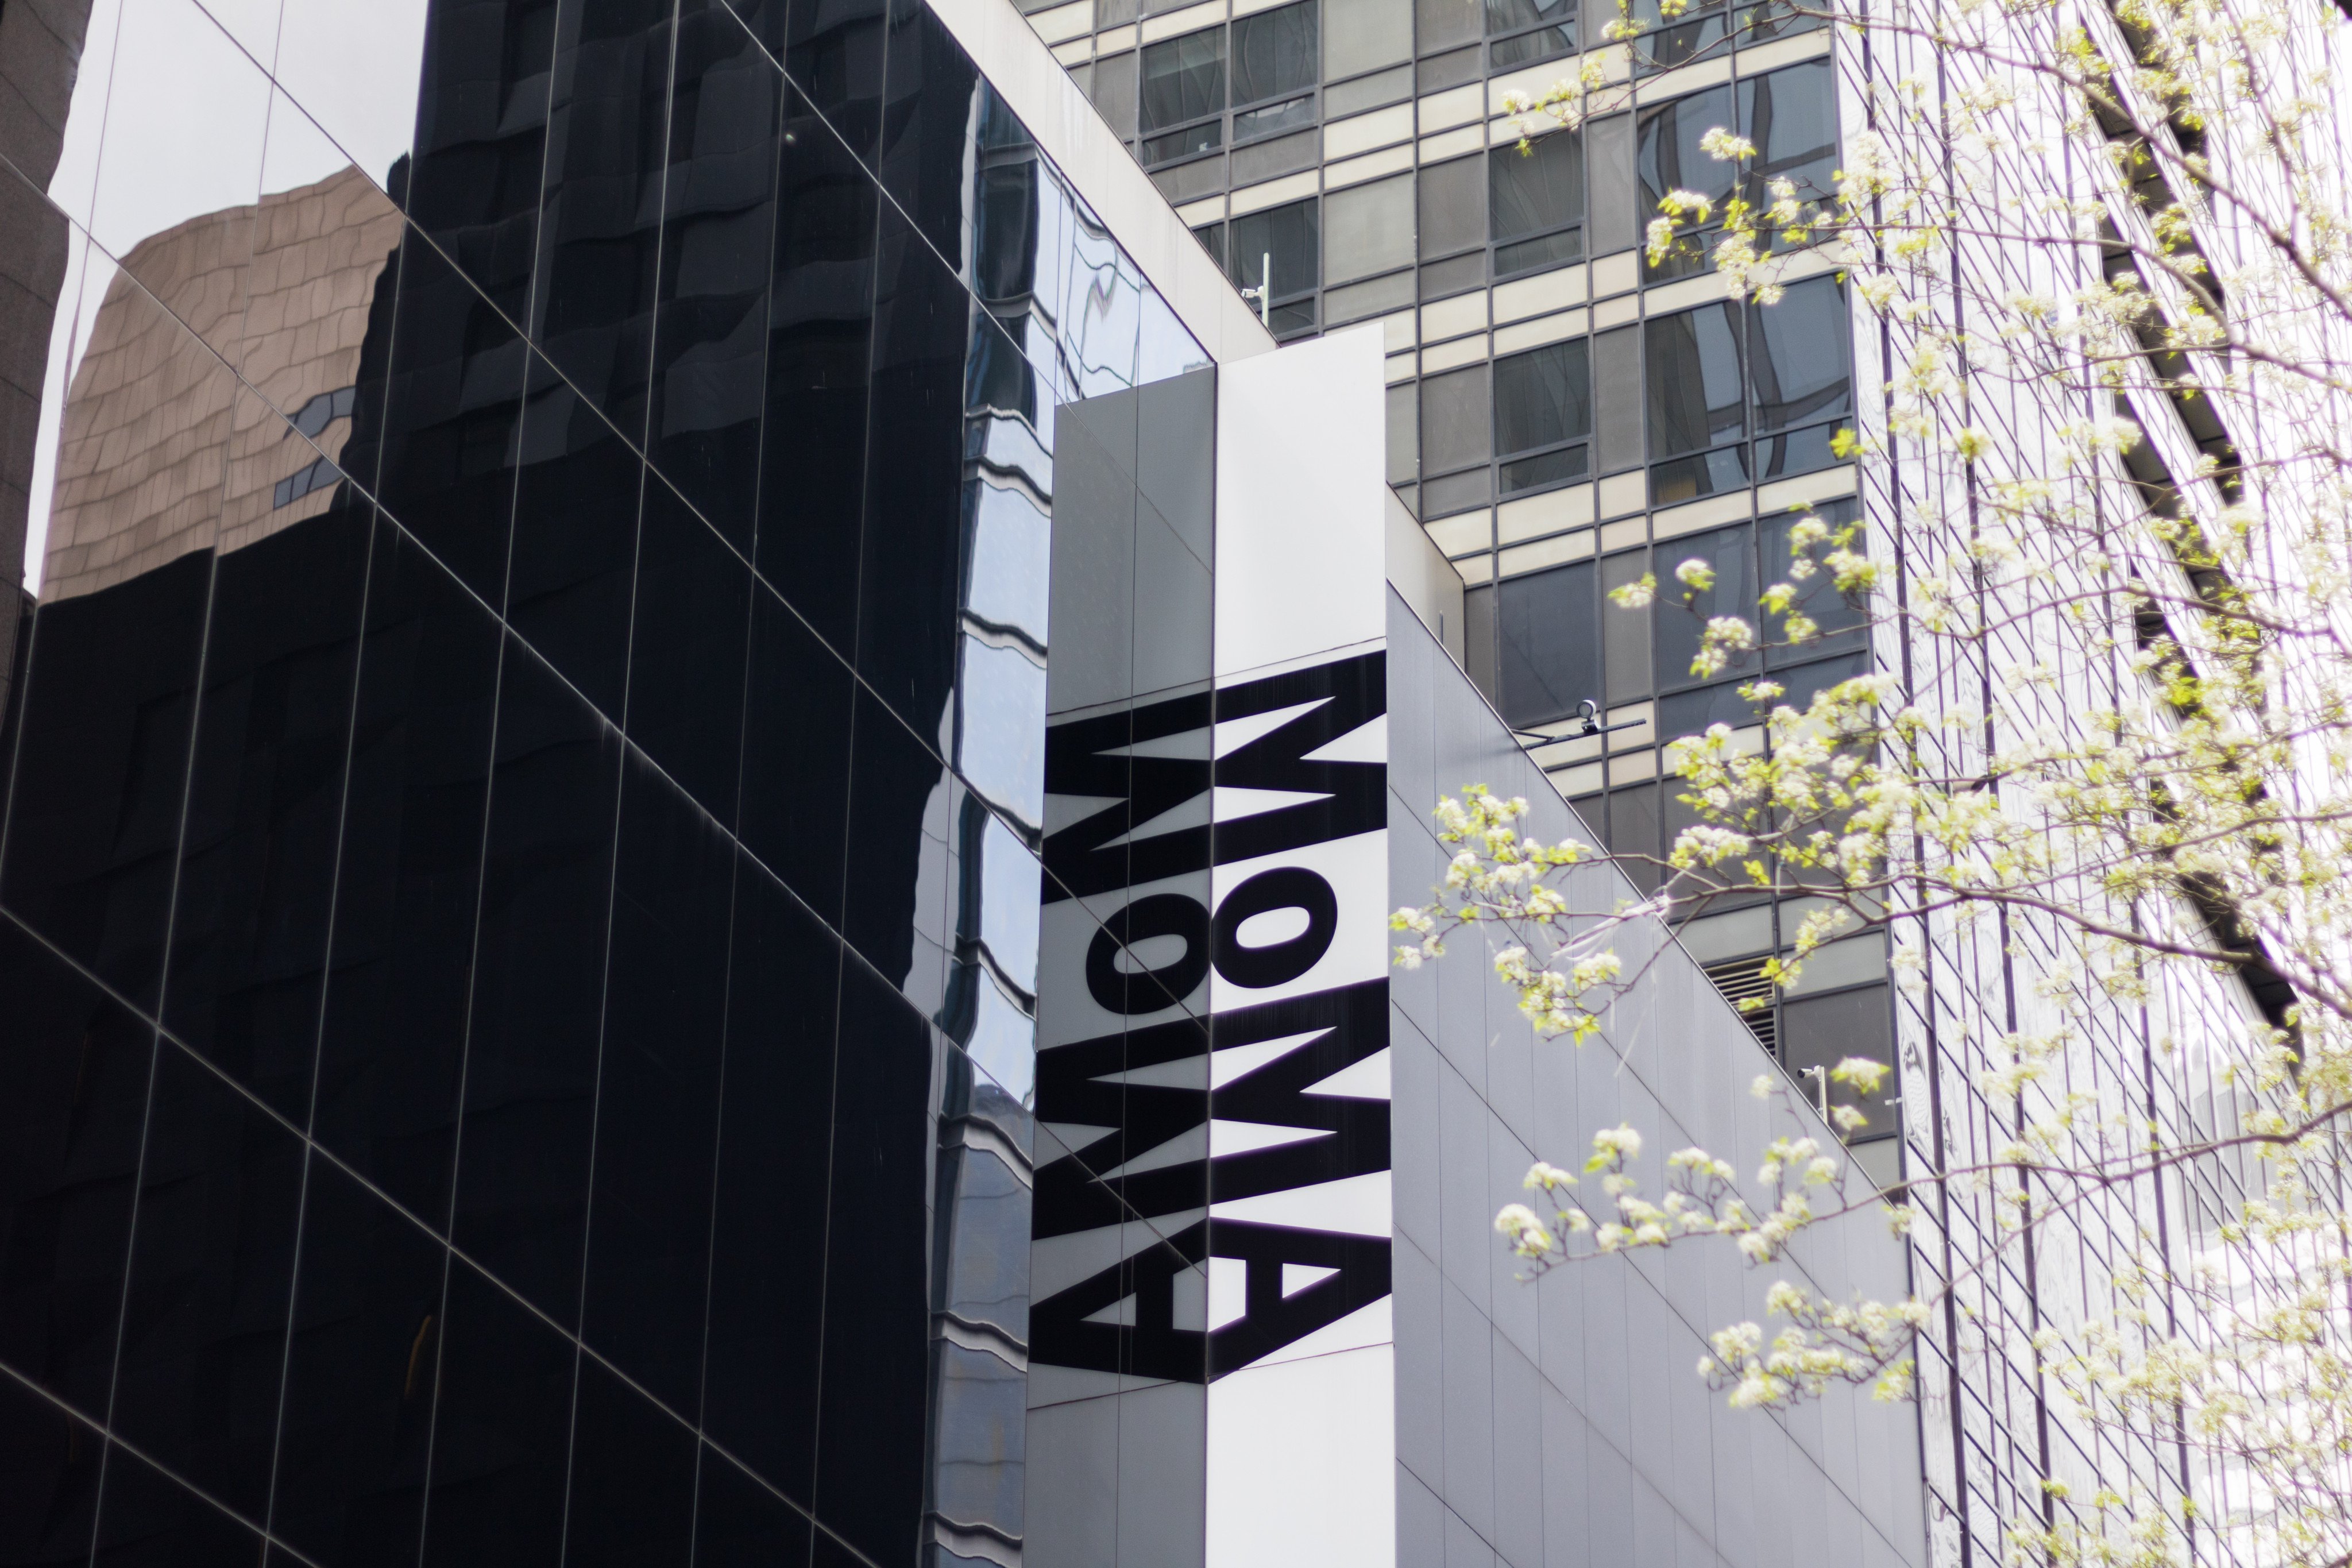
1821, 1031
1543, 396
1550, 468
1682, 612
1451, 197
1539, 254
1777, 19
1205, 137
1455, 428
1508, 16
1791, 116
1211, 236
1617, 398
1626, 634
1668, 156
1708, 474
1274, 53
1799, 685
1272, 121
1800, 355
1694, 381
1184, 78
1839, 622
1658, 48
1447, 70
1550, 644
1796, 452
1692, 713
1286, 238
1539, 190
1542, 44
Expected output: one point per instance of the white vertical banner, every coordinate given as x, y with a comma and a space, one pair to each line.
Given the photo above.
1301, 1425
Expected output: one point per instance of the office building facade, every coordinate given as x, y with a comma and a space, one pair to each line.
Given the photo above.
1565, 414
693, 852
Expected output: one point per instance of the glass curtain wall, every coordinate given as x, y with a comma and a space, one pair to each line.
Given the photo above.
518, 859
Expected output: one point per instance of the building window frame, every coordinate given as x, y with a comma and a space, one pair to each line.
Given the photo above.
1235, 121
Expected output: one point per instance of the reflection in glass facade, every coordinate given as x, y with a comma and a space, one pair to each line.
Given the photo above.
519, 882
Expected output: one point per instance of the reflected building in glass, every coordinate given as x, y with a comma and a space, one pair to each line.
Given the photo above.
694, 843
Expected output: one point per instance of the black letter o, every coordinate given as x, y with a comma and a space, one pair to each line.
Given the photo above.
1161, 914
1290, 887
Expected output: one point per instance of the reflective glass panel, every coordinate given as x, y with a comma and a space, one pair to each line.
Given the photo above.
1274, 53
1791, 116
1696, 398
1550, 643
1184, 78
1800, 356
1539, 190
1543, 396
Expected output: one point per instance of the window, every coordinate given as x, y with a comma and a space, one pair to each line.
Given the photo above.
1696, 403
1791, 116
1112, 88
1697, 29
1525, 31
1184, 78
1800, 358
1535, 204
1287, 239
1457, 431
1722, 373
1667, 157
1370, 228
1543, 415
1550, 644
1840, 625
1821, 1031
1274, 57
1451, 197
1679, 620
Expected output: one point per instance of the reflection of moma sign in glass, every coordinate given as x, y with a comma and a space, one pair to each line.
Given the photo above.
1235, 1078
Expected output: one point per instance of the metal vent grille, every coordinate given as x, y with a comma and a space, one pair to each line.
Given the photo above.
1740, 978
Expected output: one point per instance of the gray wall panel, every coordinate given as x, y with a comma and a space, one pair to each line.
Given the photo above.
1572, 1428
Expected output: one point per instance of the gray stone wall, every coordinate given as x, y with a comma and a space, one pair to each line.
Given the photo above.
1561, 1421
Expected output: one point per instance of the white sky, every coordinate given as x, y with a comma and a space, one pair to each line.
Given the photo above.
171, 118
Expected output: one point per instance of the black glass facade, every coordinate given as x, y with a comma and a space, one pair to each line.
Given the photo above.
518, 946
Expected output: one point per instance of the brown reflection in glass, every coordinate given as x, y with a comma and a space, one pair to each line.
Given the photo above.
155, 445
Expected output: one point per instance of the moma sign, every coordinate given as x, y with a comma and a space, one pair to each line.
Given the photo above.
1209, 1290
